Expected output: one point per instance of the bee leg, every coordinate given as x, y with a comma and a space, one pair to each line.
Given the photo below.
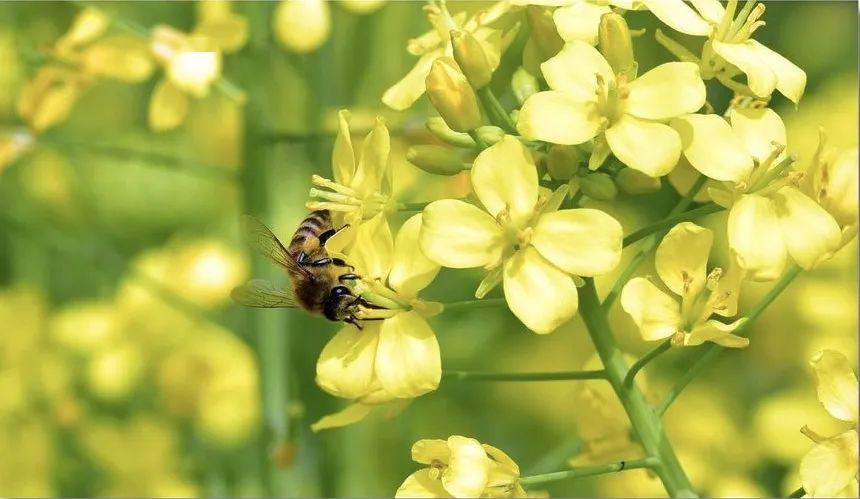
325, 236
352, 320
341, 263
348, 277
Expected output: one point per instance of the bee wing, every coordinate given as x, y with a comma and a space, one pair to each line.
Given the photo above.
262, 293
266, 243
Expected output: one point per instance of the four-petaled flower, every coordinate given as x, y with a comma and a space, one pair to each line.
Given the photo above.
524, 242
681, 262
588, 101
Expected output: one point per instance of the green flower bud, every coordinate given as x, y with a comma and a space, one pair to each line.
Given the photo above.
616, 45
634, 182
452, 96
471, 58
438, 160
440, 129
490, 134
524, 84
598, 186
562, 162
543, 31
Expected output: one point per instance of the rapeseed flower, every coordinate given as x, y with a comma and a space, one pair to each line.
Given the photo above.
524, 242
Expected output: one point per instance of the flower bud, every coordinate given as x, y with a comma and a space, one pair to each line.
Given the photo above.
598, 186
490, 134
471, 58
616, 45
524, 84
562, 162
543, 31
438, 160
440, 129
634, 182
451, 95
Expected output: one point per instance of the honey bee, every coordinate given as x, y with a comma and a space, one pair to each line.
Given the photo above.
317, 279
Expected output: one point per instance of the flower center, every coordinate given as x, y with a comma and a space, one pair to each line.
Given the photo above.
612, 97
698, 305
338, 197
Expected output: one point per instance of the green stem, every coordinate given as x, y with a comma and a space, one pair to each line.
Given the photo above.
645, 359
798, 493
600, 469
651, 243
712, 350
773, 173
474, 304
668, 223
645, 422
414, 207
548, 376
497, 114
478, 140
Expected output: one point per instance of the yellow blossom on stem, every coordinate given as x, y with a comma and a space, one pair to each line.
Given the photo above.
461, 467
525, 243
578, 20
681, 262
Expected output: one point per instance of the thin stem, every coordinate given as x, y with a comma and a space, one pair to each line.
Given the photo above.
474, 304
547, 376
693, 214
711, 351
478, 140
413, 206
650, 244
773, 173
497, 114
645, 359
600, 469
798, 493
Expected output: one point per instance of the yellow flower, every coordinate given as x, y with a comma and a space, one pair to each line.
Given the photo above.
48, 98
830, 468
461, 467
524, 242
588, 101
681, 262
13, 145
393, 358
578, 20
437, 43
358, 192
302, 25
217, 21
730, 50
769, 218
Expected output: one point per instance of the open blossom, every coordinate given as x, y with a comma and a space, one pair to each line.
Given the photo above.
681, 262
397, 357
578, 20
528, 245
769, 217
588, 101
461, 467
830, 468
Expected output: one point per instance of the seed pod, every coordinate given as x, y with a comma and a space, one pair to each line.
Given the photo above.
440, 129
616, 45
471, 58
438, 160
634, 182
524, 84
452, 96
598, 186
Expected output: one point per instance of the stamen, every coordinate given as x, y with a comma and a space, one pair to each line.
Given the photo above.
318, 205
329, 184
334, 197
815, 437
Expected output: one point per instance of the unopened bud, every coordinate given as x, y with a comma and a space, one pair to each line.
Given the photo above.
452, 96
562, 162
471, 58
598, 186
438, 160
443, 132
543, 31
634, 182
524, 84
490, 134
616, 45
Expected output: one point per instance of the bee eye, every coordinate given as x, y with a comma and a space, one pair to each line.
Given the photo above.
339, 291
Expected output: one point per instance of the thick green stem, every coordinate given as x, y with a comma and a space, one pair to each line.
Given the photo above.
549, 376
600, 469
645, 359
645, 422
497, 114
669, 222
712, 350
798, 493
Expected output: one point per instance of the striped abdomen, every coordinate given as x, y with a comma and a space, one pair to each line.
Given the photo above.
306, 237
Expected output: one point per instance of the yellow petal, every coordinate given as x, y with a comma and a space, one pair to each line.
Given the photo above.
411, 270
351, 414
123, 57
830, 466
575, 70
683, 177
362, 7
459, 235
427, 450
468, 470
302, 25
168, 107
681, 259
710, 10
746, 56
790, 79
758, 129
711, 147
579, 21
755, 237
405, 92
728, 289
558, 118
811, 235
421, 484
505, 178
656, 313
837, 384
669, 90
343, 156
584, 242
540, 294
373, 164
89, 24
408, 363
373, 249
717, 332
228, 30
194, 71
837, 185
679, 16
345, 365
652, 148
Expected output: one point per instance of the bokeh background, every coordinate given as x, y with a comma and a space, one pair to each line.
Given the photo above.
125, 369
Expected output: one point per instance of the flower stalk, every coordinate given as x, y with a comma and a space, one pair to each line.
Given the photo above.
544, 376
644, 360
583, 471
